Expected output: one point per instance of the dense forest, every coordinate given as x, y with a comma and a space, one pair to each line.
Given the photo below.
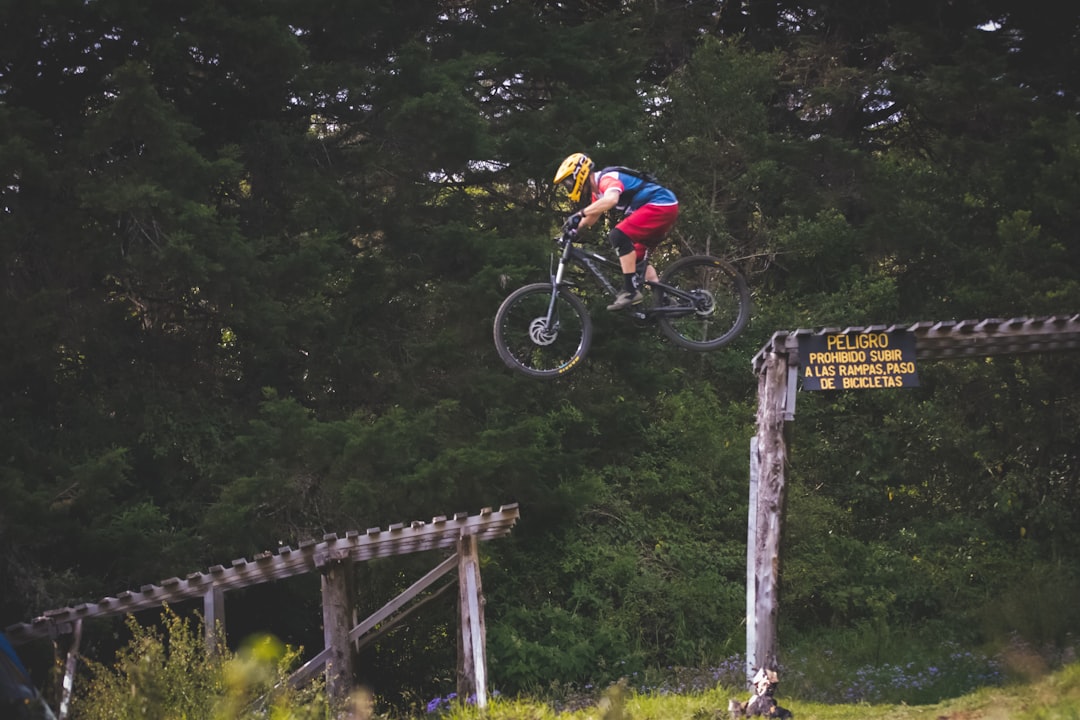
252, 253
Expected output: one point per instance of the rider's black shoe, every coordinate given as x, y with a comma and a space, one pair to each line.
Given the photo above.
625, 299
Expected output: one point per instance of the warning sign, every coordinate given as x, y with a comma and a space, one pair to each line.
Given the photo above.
858, 361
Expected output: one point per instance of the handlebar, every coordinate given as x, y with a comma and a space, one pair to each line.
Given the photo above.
569, 230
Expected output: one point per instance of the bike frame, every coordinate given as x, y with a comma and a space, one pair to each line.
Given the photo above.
544, 329
592, 261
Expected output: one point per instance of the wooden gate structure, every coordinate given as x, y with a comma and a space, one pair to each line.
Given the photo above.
334, 558
777, 366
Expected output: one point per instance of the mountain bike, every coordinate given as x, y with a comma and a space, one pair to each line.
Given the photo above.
544, 330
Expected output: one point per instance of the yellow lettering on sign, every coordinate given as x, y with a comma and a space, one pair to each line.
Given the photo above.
885, 355
857, 342
859, 360
871, 381
833, 358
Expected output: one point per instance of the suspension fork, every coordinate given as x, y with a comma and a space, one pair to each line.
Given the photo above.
556, 283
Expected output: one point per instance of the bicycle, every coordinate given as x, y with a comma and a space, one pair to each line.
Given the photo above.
544, 330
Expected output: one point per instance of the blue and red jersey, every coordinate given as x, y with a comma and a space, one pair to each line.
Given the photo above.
641, 192
650, 209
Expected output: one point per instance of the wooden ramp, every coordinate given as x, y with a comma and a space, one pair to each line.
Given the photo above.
333, 558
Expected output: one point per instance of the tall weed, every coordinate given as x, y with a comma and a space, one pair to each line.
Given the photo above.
166, 673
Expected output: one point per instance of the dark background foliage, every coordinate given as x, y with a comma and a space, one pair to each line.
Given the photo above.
251, 256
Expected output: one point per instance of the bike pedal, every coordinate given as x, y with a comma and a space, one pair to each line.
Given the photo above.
637, 315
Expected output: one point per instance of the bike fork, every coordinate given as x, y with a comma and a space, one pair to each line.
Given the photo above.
550, 319
556, 283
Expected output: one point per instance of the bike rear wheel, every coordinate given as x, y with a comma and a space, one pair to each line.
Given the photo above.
720, 308
529, 344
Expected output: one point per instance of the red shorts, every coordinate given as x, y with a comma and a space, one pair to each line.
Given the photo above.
648, 225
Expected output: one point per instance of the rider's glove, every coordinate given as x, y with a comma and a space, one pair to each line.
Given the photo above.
572, 222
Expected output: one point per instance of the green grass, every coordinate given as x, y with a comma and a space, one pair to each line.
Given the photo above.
165, 672
1053, 697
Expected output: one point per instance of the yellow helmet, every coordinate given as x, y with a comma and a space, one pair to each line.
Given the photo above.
574, 173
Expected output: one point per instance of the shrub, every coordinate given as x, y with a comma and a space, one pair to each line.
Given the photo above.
166, 673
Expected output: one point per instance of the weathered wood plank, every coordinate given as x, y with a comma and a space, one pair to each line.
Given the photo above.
472, 659
383, 613
337, 604
356, 546
936, 340
768, 509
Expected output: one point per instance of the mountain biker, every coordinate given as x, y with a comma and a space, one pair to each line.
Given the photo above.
650, 211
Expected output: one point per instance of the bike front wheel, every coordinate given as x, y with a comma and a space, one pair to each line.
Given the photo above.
719, 308
537, 343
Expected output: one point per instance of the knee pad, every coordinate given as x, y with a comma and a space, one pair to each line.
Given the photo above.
621, 242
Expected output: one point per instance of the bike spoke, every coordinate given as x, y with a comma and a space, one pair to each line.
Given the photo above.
536, 344
717, 308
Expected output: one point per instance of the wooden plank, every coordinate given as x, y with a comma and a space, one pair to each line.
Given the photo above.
397, 603
477, 634
390, 622
472, 660
947, 339
772, 461
337, 604
307, 672
751, 562
286, 563
70, 665
214, 632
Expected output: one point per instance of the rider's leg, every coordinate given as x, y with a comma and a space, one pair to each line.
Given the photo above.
624, 246
645, 228
644, 267
630, 295
628, 263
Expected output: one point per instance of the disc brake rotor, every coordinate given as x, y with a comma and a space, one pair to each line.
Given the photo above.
704, 303
542, 333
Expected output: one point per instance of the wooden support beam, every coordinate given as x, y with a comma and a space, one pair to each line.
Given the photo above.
751, 562
375, 633
771, 464
383, 618
214, 617
337, 602
386, 611
398, 539
70, 665
472, 655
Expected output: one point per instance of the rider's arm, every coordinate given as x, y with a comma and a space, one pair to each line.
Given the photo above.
593, 211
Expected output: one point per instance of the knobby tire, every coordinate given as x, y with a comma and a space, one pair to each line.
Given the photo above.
722, 306
528, 346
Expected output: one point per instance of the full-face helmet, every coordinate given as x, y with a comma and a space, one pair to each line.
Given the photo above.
573, 174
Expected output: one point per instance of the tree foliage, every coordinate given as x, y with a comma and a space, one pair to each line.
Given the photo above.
252, 255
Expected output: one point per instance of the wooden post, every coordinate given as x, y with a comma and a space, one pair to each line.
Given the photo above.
214, 617
751, 563
771, 461
472, 653
68, 687
337, 602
